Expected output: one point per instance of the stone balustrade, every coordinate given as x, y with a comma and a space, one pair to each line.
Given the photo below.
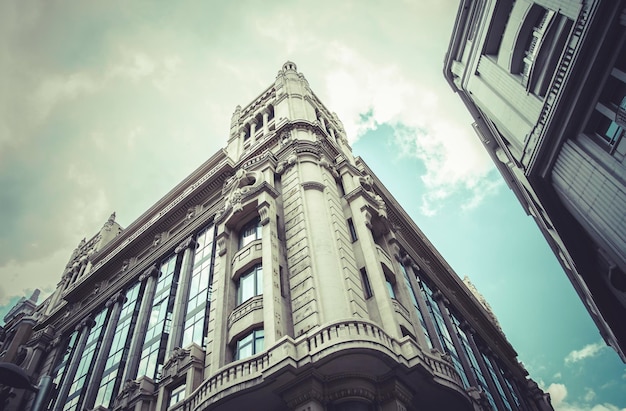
315, 346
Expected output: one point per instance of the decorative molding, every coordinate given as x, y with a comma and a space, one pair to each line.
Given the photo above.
152, 271
189, 242
221, 243
264, 210
313, 185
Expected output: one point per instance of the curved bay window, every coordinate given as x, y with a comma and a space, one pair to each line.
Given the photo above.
249, 345
250, 284
249, 232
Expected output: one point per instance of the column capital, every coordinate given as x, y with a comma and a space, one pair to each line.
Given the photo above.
85, 323
152, 271
254, 121
467, 328
189, 242
439, 297
117, 297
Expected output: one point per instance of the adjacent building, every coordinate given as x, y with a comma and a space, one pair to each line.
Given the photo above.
280, 275
545, 81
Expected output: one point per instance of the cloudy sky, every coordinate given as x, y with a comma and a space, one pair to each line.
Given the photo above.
105, 106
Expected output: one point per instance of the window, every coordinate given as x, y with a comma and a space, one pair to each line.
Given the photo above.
250, 284
249, 345
352, 230
177, 394
367, 288
250, 232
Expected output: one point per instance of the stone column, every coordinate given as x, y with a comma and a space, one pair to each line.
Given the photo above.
134, 354
274, 326
322, 240
115, 303
483, 368
253, 124
83, 327
424, 309
266, 116
442, 302
500, 378
362, 224
188, 248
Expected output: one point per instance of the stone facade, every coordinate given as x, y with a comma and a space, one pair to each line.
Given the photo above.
545, 81
280, 275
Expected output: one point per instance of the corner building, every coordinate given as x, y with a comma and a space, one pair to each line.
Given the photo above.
545, 81
280, 275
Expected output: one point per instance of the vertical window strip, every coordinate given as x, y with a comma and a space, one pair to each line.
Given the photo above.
153, 349
199, 290
442, 332
65, 360
82, 373
407, 281
473, 361
113, 368
496, 382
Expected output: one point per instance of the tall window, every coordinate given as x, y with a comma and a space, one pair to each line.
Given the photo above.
496, 382
250, 284
249, 345
442, 331
153, 351
407, 282
199, 290
59, 374
111, 377
367, 287
353, 236
250, 232
83, 372
473, 361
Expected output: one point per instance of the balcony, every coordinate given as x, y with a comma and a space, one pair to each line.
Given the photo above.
341, 347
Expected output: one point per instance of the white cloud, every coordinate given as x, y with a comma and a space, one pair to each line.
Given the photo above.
590, 350
558, 395
589, 395
557, 392
367, 94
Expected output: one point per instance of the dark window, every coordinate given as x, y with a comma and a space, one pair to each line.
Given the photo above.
367, 288
353, 236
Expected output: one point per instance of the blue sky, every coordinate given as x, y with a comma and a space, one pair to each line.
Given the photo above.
105, 106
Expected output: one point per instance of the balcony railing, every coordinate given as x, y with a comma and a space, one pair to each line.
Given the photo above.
344, 335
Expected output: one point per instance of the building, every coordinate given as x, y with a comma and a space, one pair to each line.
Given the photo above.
545, 81
280, 275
